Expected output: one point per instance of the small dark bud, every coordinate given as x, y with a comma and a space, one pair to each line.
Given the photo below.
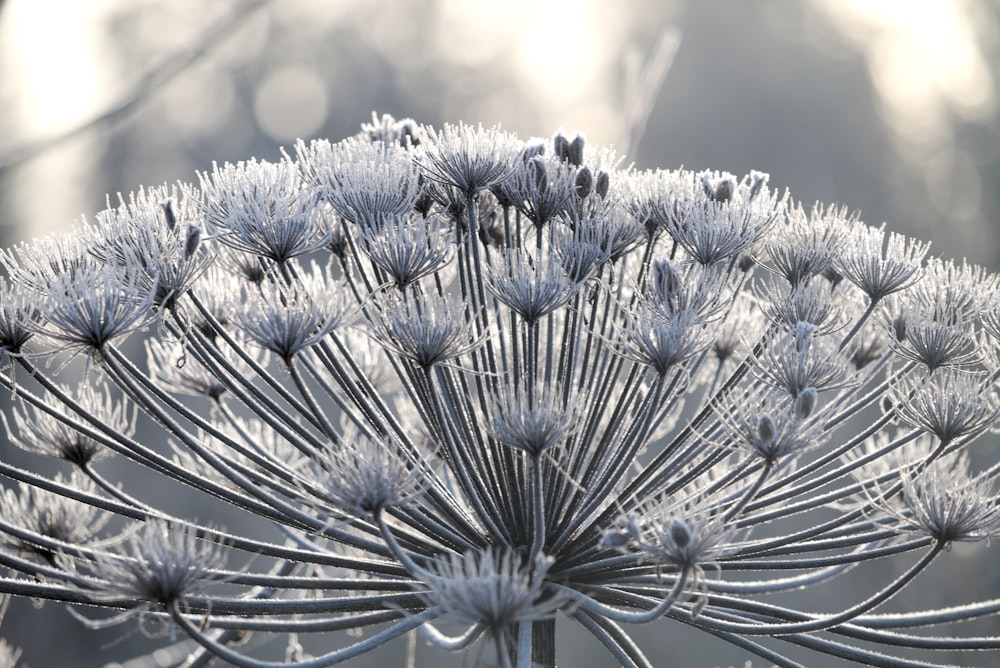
767, 430
680, 534
667, 282
539, 174
192, 240
614, 539
584, 182
167, 206
724, 191
408, 135
757, 182
706, 185
746, 263
560, 145
533, 149
603, 183
576, 146
805, 403
899, 328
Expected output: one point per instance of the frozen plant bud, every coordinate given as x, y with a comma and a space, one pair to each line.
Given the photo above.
603, 184
169, 216
805, 403
767, 431
538, 174
680, 534
667, 281
533, 150
574, 155
584, 182
758, 182
192, 239
560, 146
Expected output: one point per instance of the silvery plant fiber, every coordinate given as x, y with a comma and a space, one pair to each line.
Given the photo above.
450, 387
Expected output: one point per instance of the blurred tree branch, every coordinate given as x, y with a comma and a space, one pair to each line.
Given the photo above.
170, 67
643, 79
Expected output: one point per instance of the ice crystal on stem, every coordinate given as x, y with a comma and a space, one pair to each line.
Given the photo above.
501, 384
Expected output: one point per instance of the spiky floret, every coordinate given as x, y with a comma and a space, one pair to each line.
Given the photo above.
944, 502
427, 331
364, 475
810, 243
94, 305
948, 405
369, 183
158, 564
531, 286
60, 433
52, 523
288, 318
492, 590
18, 309
409, 248
879, 263
261, 208
469, 158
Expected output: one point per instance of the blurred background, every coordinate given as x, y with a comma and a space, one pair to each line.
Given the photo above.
886, 106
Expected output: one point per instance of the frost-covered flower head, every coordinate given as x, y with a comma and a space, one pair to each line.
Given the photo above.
491, 589
944, 503
17, 309
55, 432
364, 476
469, 158
42, 523
159, 567
949, 405
436, 376
263, 209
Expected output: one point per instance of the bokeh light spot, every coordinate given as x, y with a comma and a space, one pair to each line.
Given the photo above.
291, 102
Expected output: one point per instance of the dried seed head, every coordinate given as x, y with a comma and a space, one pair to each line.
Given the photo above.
466, 157
362, 476
160, 564
492, 588
948, 405
425, 330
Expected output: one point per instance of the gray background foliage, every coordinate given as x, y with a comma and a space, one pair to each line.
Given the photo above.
819, 94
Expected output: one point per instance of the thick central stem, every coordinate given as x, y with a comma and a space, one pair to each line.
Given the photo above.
543, 644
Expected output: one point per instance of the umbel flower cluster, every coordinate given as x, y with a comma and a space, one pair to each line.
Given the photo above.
461, 387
